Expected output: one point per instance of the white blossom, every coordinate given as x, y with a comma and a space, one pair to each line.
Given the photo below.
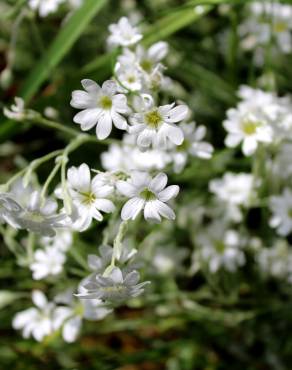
89, 196
36, 322
45, 7
234, 190
34, 214
193, 145
116, 287
220, 248
147, 194
123, 33
281, 207
47, 262
101, 107
127, 157
156, 126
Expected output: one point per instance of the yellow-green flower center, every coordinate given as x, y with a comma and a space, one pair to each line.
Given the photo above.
88, 198
105, 102
290, 213
153, 119
146, 64
147, 195
219, 246
249, 127
34, 216
280, 26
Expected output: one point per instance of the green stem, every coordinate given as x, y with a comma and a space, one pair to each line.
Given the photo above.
49, 180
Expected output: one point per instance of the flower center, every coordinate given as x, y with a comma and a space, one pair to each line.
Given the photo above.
184, 147
147, 195
153, 119
290, 212
34, 216
219, 246
146, 65
280, 27
105, 102
249, 127
88, 198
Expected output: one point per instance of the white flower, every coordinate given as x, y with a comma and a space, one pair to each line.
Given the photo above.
246, 127
16, 111
101, 107
221, 249
116, 287
276, 261
45, 7
235, 190
123, 33
69, 317
192, 145
34, 214
36, 321
88, 196
281, 206
127, 157
156, 125
148, 194
61, 241
47, 262
268, 20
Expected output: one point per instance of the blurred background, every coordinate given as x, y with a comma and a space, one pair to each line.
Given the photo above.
188, 321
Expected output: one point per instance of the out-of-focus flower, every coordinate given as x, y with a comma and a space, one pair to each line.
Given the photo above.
45, 7
16, 112
281, 206
34, 214
193, 145
123, 33
127, 157
116, 287
47, 262
36, 322
220, 248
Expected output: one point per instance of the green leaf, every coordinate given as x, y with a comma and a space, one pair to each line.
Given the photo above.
160, 30
60, 46
7, 297
54, 55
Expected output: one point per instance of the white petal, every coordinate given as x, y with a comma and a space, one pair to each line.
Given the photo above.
87, 118
104, 126
158, 183
151, 211
126, 189
249, 146
132, 208
174, 133
71, 329
81, 100
104, 205
177, 114
145, 138
116, 275
168, 193
158, 51
39, 299
90, 86
165, 211
119, 121
109, 87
